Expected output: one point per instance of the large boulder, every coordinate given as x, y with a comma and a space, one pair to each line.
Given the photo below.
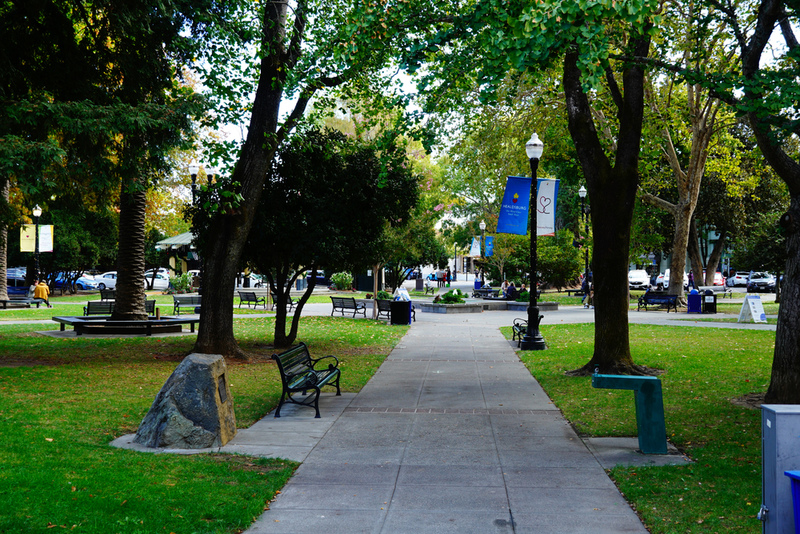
193, 410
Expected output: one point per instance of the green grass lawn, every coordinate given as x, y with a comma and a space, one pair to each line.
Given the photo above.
63, 400
704, 368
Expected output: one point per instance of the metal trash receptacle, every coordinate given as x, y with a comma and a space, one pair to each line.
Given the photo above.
477, 284
709, 302
400, 311
694, 302
420, 282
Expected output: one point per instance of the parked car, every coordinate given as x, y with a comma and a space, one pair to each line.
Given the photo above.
160, 281
740, 279
106, 280
322, 280
638, 279
15, 285
761, 282
84, 283
662, 282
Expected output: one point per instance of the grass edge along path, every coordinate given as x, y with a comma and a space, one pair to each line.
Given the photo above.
705, 369
58, 416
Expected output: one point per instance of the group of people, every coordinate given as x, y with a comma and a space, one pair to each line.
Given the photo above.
510, 291
40, 290
443, 277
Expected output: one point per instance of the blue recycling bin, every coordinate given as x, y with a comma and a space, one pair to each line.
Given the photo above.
794, 476
695, 302
477, 283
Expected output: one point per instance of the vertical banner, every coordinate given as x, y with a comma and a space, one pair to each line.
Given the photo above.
514, 209
475, 249
546, 207
489, 246
45, 238
27, 238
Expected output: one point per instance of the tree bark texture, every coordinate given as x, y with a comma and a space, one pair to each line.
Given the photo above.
129, 302
612, 192
784, 387
4, 191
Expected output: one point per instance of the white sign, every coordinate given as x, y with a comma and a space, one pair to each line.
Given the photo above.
546, 207
475, 249
752, 310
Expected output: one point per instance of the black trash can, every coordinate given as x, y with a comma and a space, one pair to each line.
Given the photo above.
709, 301
420, 284
400, 311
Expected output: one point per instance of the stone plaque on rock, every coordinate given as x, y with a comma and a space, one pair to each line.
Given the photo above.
193, 410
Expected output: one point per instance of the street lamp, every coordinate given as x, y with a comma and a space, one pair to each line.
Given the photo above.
585, 216
37, 212
482, 226
193, 170
533, 339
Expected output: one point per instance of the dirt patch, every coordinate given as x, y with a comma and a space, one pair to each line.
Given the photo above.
752, 401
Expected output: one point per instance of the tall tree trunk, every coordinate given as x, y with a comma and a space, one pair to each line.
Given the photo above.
129, 303
784, 387
228, 233
612, 191
696, 257
4, 191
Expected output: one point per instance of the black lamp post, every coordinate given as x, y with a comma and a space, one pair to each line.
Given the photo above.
193, 170
482, 226
533, 339
37, 212
585, 216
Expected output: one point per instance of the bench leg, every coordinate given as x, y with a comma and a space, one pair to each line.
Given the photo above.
280, 403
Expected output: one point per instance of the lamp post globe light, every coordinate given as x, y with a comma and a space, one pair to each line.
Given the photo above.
37, 212
533, 339
585, 216
482, 226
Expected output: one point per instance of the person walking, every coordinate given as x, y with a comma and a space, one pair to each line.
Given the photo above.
42, 292
691, 279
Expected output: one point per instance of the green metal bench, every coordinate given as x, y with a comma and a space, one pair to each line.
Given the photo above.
649, 407
299, 375
654, 299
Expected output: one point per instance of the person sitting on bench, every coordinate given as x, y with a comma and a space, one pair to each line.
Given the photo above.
41, 291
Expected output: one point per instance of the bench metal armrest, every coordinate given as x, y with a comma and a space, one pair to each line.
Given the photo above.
330, 365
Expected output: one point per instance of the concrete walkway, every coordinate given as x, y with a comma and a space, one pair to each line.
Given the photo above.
452, 434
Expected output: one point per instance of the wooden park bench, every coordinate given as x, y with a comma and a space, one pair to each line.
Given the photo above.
348, 303
724, 291
518, 330
185, 301
576, 292
384, 309
99, 307
20, 302
108, 294
485, 292
250, 297
651, 298
299, 374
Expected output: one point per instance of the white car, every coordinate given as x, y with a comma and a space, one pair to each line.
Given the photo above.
663, 280
638, 279
160, 282
106, 280
740, 279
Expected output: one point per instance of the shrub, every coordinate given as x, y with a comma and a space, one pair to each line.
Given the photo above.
454, 296
383, 295
524, 296
180, 284
342, 281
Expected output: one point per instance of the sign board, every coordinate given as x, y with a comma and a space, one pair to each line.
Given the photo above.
489, 246
516, 199
752, 310
475, 249
27, 239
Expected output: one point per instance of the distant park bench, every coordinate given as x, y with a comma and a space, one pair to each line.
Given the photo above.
290, 302
651, 298
20, 302
99, 307
250, 297
185, 301
348, 303
108, 294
